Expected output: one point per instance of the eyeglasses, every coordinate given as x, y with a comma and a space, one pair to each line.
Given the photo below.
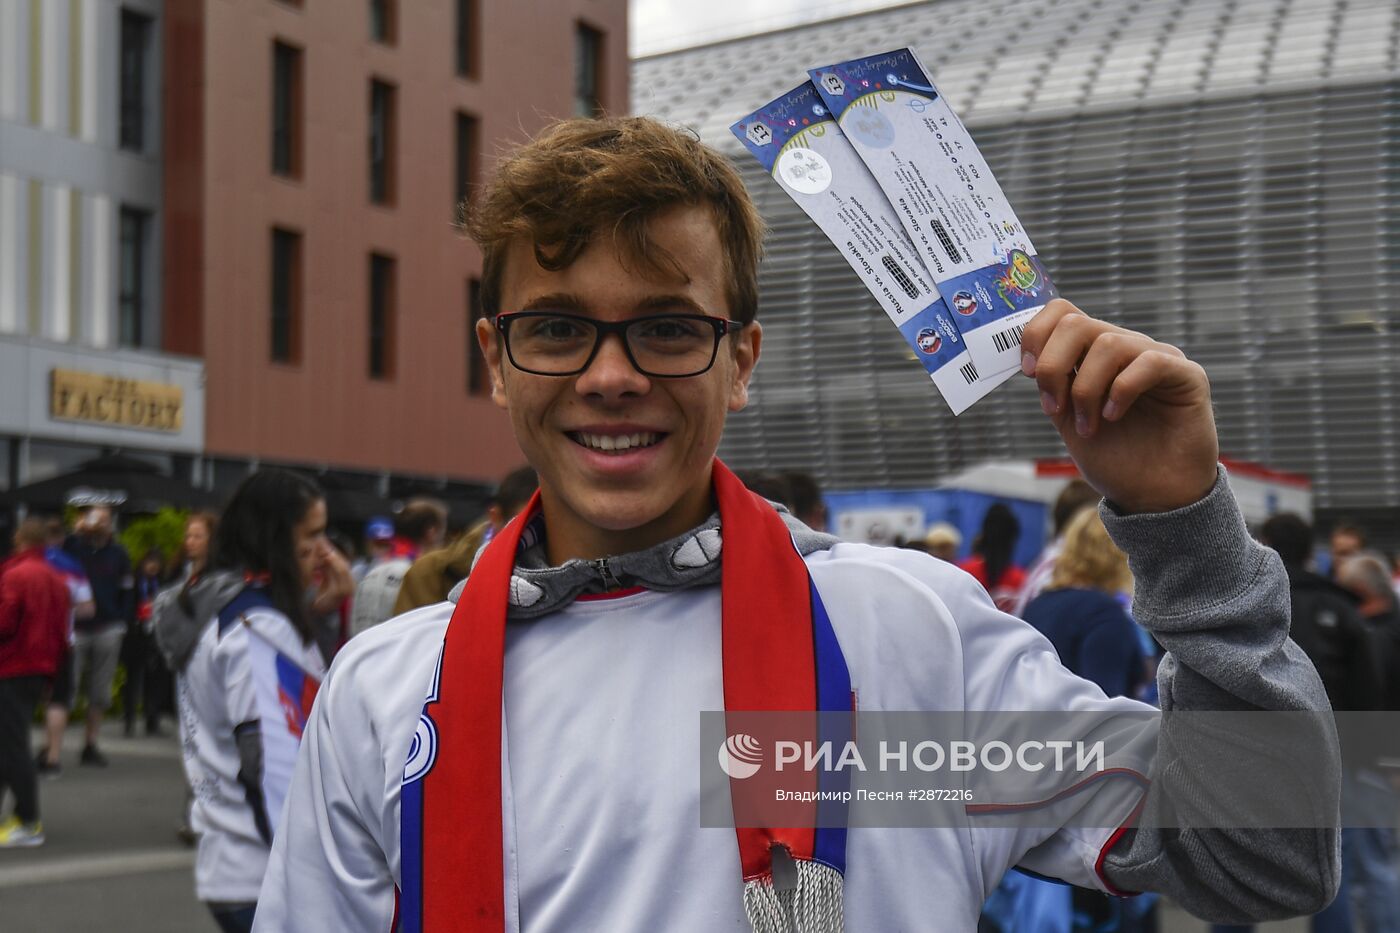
669, 346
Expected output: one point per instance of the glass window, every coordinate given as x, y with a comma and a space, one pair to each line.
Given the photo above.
478, 380
132, 290
588, 58
381, 316
286, 110
465, 44
381, 21
135, 49
286, 296
381, 142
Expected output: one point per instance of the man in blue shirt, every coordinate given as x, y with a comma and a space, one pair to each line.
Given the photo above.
97, 641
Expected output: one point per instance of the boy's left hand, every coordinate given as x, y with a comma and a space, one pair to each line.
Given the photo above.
1134, 413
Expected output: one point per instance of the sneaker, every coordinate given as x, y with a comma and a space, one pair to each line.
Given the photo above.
91, 756
15, 835
45, 768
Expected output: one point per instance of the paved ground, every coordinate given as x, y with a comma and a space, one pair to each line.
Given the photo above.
113, 865
112, 862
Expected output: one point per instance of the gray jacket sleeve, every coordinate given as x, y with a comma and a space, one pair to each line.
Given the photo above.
1218, 602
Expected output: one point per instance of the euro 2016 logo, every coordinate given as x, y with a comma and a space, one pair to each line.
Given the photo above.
929, 341
740, 756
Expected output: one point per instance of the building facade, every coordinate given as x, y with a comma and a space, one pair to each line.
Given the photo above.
1222, 175
82, 354
318, 155
255, 205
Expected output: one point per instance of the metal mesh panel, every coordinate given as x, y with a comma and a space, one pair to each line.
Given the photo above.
1222, 175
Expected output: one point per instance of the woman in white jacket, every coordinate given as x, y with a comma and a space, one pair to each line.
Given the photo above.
248, 684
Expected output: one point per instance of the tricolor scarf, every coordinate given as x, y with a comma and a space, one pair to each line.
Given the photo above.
779, 654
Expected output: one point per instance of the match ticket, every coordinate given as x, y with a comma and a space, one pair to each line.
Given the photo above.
795, 138
945, 196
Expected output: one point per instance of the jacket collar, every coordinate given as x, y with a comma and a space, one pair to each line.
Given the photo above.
688, 560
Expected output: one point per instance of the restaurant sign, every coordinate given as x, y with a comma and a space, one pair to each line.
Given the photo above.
94, 398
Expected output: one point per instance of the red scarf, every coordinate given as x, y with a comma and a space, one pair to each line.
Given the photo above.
455, 878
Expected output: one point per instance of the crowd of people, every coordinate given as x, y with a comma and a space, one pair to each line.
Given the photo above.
517, 749
72, 606
1078, 593
257, 600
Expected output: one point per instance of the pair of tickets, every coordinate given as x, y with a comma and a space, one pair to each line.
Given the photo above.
872, 152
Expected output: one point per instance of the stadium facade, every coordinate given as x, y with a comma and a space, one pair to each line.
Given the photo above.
1222, 174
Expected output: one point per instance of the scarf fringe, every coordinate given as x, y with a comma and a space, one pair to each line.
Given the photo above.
816, 905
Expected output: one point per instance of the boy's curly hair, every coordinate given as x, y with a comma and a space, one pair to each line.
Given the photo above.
589, 176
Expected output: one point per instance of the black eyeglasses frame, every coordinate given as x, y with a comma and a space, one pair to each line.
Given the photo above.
603, 329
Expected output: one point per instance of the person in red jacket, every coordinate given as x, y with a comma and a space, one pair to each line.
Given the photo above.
33, 631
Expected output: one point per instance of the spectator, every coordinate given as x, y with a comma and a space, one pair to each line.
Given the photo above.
1080, 612
175, 631
194, 552
145, 690
418, 528
1348, 539
175, 622
1370, 850
334, 589
433, 575
1326, 622
1331, 632
1075, 495
247, 682
60, 691
991, 560
98, 641
34, 617
772, 486
943, 541
379, 546
1366, 577
807, 502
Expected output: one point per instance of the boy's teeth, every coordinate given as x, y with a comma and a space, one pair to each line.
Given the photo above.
617, 442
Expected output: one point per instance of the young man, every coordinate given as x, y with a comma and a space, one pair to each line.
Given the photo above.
418, 528
433, 575
61, 690
526, 758
98, 639
34, 607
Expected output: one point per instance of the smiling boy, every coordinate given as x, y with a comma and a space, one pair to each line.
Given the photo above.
523, 757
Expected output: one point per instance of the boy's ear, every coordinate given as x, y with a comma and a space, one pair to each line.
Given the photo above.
492, 349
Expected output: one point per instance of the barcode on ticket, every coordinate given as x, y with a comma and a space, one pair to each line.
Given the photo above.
969, 373
1008, 338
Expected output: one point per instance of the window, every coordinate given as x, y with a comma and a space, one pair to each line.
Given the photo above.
478, 379
131, 293
135, 48
588, 62
286, 110
465, 44
381, 317
381, 21
286, 296
465, 163
381, 142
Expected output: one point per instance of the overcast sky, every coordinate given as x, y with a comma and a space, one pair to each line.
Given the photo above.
663, 25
